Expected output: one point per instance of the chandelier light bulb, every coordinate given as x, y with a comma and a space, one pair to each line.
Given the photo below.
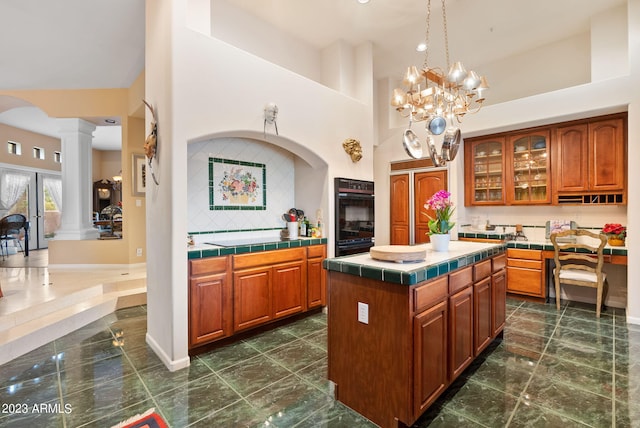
472, 81
457, 72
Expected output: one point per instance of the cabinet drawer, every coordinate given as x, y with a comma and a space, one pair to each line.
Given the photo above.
243, 261
528, 264
428, 294
208, 265
499, 262
518, 253
525, 281
481, 270
460, 279
316, 251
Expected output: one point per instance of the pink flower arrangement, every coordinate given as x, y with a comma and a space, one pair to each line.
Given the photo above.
615, 230
443, 207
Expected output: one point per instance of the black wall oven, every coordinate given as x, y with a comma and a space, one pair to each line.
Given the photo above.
354, 216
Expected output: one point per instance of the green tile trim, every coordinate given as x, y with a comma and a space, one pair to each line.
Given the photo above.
256, 248
411, 277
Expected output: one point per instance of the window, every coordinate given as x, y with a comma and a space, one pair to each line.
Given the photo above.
38, 153
14, 148
57, 157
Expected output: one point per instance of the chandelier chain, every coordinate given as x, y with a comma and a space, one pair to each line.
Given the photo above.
446, 35
426, 36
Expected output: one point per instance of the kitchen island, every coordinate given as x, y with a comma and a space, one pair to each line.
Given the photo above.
400, 333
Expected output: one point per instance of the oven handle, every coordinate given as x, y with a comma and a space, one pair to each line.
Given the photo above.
356, 195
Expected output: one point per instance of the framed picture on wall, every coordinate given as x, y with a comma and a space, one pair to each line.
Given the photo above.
139, 172
237, 185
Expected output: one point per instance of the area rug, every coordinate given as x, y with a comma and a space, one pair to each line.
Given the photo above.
149, 419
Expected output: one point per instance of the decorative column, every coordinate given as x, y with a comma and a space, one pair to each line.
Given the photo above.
77, 185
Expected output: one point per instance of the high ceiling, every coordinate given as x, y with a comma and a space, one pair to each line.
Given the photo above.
71, 44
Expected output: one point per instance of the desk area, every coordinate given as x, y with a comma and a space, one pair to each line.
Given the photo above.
530, 271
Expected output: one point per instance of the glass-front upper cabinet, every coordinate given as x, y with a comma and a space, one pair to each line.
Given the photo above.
485, 158
528, 168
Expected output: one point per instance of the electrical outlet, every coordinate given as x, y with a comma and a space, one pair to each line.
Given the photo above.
138, 203
363, 313
139, 252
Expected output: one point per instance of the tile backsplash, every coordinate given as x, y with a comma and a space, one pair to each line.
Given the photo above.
280, 179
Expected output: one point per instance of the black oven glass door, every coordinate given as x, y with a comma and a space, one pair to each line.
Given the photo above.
355, 217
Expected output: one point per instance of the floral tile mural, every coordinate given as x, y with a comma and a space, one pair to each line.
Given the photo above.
237, 185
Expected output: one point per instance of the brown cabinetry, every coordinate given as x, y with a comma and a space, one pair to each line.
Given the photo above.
268, 285
433, 322
229, 294
485, 171
409, 192
577, 162
316, 276
210, 306
400, 209
525, 272
590, 157
498, 293
528, 172
430, 355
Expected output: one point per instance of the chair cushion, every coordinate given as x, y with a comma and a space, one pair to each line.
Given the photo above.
580, 275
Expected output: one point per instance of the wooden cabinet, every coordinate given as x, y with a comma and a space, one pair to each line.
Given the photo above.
316, 276
460, 322
591, 156
410, 192
529, 176
482, 306
210, 304
425, 330
525, 272
399, 209
430, 355
235, 293
484, 160
498, 293
268, 285
578, 162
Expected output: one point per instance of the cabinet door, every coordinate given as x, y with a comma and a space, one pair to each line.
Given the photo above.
525, 281
528, 168
498, 301
571, 161
209, 308
252, 297
482, 333
425, 184
484, 172
288, 288
460, 331
607, 162
399, 209
316, 283
430, 355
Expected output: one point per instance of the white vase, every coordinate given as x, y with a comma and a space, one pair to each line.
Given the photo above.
440, 242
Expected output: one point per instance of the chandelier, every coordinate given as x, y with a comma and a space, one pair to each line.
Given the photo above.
440, 100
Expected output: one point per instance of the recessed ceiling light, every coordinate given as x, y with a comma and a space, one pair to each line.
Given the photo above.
110, 121
363, 1
422, 46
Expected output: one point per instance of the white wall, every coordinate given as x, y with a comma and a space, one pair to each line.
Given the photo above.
280, 185
205, 88
591, 99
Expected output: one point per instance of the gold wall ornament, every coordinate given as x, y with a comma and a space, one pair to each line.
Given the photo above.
353, 149
151, 143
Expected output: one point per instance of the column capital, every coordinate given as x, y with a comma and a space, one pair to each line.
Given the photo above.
75, 125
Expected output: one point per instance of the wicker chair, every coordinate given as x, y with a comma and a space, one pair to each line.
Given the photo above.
10, 231
579, 263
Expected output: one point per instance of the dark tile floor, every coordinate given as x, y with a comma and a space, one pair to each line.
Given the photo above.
553, 369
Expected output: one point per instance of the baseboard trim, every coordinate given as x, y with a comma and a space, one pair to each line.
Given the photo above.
172, 365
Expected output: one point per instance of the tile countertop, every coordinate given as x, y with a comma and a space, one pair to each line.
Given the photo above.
461, 253
203, 250
535, 244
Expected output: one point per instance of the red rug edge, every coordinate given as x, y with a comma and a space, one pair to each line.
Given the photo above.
140, 419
